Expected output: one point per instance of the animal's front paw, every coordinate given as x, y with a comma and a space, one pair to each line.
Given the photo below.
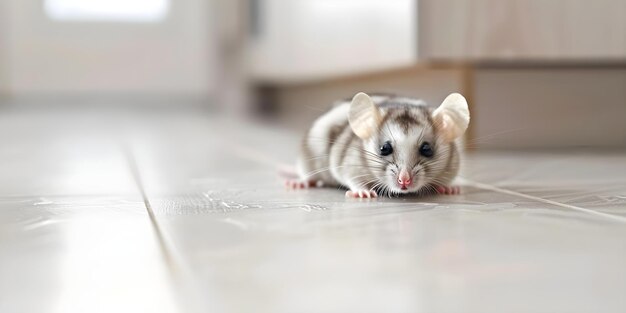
302, 184
361, 194
448, 190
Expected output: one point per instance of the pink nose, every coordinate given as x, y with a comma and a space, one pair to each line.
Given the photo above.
404, 181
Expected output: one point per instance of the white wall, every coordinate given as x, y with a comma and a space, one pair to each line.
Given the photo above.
307, 40
39, 56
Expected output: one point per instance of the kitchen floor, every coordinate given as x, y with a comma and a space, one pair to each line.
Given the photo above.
178, 211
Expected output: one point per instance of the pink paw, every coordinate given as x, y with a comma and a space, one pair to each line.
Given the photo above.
361, 194
448, 190
302, 184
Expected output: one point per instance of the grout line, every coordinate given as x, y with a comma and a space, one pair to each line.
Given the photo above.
185, 286
169, 260
563, 205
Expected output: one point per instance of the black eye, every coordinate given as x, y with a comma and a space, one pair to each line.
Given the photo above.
426, 150
386, 149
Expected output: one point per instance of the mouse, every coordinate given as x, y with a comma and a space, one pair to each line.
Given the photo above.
384, 145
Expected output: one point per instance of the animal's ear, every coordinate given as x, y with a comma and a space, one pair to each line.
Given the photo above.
364, 116
452, 116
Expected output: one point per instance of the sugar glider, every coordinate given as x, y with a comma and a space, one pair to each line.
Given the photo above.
384, 145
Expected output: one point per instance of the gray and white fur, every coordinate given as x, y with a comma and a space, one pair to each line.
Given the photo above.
349, 145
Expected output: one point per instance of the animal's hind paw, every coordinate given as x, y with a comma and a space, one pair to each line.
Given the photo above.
302, 184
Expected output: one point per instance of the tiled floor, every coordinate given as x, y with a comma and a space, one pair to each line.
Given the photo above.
182, 212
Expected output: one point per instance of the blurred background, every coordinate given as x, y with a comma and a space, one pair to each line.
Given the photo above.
538, 74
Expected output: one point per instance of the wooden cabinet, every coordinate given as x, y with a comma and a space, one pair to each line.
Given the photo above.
520, 30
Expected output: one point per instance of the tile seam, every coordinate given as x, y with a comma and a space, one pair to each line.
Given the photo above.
546, 201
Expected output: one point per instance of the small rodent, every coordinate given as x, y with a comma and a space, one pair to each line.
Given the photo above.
384, 145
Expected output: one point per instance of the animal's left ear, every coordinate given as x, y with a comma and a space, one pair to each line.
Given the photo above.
364, 116
452, 117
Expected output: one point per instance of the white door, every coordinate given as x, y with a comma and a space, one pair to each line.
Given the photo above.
125, 47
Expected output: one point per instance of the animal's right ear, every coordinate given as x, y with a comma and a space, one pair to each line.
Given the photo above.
452, 116
364, 116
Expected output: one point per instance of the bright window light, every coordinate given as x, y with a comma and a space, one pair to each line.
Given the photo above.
107, 10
